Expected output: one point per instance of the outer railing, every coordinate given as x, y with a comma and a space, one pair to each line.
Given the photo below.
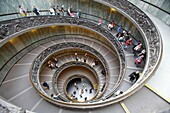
156, 6
7, 107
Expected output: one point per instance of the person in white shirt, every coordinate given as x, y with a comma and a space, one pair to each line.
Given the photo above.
93, 64
137, 49
22, 11
69, 11
52, 12
62, 10
143, 52
118, 92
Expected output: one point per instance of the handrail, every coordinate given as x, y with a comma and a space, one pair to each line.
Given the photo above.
155, 6
120, 78
107, 37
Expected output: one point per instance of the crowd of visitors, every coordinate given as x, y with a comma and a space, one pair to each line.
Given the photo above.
139, 52
126, 41
53, 63
53, 10
84, 59
80, 91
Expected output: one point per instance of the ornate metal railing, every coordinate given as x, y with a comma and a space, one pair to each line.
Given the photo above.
6, 107
36, 67
160, 8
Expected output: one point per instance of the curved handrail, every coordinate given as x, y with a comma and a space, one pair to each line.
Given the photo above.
120, 78
8, 107
155, 6
157, 10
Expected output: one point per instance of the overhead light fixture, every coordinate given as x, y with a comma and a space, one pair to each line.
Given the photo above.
53, 26
112, 9
33, 30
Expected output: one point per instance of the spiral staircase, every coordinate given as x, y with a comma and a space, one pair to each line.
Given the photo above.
29, 43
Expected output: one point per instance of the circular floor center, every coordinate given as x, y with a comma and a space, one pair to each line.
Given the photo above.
80, 89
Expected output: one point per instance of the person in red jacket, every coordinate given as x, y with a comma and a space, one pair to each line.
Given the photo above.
128, 43
138, 60
100, 21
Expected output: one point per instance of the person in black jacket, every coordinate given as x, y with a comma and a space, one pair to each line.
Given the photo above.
35, 10
134, 76
46, 85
